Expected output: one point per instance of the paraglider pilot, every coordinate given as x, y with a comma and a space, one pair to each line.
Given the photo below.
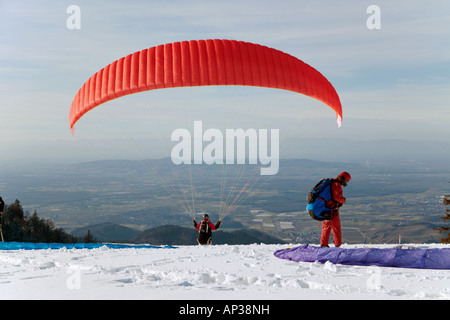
334, 224
2, 207
205, 229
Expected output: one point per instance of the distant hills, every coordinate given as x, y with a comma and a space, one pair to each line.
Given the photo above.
107, 232
385, 198
171, 235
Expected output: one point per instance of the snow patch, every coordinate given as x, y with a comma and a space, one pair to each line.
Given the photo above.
213, 272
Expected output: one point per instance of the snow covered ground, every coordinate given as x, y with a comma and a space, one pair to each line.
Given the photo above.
208, 273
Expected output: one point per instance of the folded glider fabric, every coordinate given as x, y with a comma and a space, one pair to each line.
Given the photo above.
436, 258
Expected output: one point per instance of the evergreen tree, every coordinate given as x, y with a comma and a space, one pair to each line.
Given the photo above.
88, 238
15, 211
18, 227
13, 222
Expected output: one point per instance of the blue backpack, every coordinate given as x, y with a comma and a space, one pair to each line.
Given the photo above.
317, 198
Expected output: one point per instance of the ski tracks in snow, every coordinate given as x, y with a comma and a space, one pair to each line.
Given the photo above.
209, 272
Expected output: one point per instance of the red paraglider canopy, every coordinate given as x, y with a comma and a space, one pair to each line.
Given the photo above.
203, 63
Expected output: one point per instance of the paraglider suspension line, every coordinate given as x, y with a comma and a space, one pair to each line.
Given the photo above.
182, 203
234, 203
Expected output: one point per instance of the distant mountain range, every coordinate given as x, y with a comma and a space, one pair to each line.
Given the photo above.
107, 232
385, 198
171, 235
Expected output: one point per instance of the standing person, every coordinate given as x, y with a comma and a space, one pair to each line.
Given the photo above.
337, 200
2, 207
205, 228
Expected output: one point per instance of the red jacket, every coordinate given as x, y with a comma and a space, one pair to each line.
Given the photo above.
210, 225
338, 195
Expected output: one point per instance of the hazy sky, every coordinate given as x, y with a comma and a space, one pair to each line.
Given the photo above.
394, 82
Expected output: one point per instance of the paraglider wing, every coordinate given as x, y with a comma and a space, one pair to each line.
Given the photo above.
203, 63
434, 258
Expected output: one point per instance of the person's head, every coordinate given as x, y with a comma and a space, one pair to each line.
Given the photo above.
344, 178
205, 216
1, 200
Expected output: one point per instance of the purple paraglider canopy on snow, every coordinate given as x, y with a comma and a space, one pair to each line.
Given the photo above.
393, 257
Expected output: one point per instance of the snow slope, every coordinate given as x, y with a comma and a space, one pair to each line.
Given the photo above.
208, 273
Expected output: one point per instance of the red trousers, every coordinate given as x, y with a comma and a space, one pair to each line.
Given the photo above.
334, 224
